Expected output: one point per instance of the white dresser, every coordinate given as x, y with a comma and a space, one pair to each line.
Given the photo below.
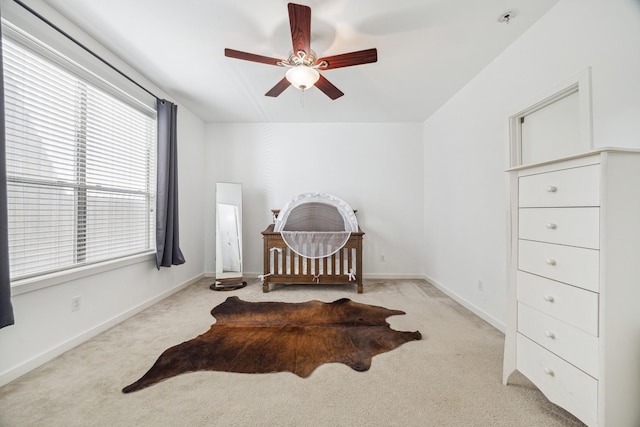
574, 293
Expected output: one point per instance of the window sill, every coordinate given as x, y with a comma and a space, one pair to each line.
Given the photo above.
34, 283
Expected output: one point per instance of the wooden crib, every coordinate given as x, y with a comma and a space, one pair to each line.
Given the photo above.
282, 265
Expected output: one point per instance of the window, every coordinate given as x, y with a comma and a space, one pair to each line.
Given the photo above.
80, 163
559, 125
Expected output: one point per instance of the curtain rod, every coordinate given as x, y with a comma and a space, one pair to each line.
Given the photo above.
95, 55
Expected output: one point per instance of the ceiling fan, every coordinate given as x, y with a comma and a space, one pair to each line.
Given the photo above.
302, 63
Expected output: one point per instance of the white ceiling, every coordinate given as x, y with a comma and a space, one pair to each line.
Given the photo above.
427, 50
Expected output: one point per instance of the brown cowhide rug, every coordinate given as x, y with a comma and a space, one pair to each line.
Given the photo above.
260, 337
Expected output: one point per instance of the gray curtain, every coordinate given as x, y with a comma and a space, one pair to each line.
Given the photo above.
6, 309
168, 251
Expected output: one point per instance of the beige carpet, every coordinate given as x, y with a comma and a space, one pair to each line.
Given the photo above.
449, 378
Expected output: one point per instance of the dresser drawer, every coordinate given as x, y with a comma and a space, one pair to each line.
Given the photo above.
568, 187
575, 306
568, 264
567, 226
572, 344
562, 383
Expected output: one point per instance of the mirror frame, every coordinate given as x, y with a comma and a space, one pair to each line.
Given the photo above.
228, 194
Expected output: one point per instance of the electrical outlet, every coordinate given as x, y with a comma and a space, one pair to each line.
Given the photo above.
75, 303
480, 285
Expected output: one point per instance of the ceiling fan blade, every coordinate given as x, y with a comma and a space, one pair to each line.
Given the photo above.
300, 22
328, 88
366, 56
232, 53
278, 88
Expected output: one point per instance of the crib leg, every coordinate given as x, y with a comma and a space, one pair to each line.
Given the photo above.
265, 287
360, 288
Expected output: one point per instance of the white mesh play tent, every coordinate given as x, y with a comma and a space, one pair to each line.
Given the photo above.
316, 225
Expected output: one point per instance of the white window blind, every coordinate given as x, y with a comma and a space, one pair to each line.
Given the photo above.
80, 165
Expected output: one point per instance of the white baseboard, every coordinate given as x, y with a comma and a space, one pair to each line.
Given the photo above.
398, 276
18, 371
468, 305
375, 276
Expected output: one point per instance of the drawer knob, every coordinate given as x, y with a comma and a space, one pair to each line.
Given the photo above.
549, 372
550, 334
549, 298
552, 189
551, 261
551, 226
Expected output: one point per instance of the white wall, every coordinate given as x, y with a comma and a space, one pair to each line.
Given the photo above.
45, 325
465, 142
376, 168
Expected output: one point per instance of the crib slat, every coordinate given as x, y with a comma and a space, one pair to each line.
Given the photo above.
286, 261
292, 262
344, 261
276, 263
299, 265
295, 263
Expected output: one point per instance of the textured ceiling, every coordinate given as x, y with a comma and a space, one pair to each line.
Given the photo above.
427, 50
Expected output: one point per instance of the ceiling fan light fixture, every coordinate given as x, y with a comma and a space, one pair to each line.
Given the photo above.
302, 61
302, 77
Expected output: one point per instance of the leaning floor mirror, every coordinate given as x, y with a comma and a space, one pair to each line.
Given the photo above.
228, 237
